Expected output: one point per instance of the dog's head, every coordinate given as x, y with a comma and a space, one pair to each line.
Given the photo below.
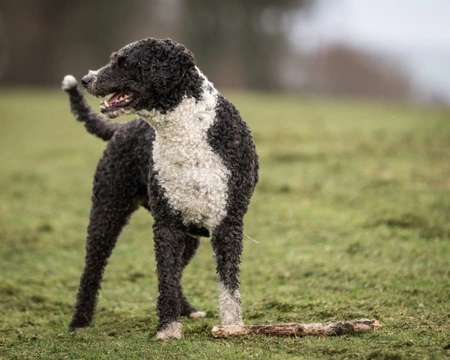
148, 74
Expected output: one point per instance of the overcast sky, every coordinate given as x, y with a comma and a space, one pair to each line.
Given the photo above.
415, 32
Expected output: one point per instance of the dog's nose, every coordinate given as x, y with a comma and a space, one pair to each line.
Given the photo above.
86, 80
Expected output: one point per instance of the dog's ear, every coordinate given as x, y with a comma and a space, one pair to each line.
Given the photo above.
171, 63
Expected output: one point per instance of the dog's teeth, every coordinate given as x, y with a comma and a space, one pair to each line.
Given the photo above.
104, 105
122, 98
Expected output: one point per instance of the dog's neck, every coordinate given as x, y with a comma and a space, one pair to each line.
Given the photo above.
189, 119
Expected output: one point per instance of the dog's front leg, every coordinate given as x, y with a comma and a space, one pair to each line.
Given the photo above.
169, 245
227, 244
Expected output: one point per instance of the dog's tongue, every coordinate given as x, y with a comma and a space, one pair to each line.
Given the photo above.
121, 98
115, 98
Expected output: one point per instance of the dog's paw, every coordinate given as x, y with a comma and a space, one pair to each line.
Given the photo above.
74, 330
171, 331
197, 315
69, 82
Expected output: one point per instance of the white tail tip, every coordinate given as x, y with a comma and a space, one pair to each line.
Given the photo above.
69, 82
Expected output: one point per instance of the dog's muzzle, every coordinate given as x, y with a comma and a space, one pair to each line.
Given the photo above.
88, 79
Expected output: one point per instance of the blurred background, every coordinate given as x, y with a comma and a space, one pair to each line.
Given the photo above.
397, 50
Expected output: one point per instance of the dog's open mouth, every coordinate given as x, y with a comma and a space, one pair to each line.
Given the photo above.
116, 104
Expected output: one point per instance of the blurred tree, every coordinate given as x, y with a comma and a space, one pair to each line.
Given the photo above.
45, 36
3, 47
240, 42
342, 70
237, 43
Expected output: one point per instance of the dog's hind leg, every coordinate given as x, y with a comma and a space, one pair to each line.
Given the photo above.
112, 206
191, 245
227, 245
103, 231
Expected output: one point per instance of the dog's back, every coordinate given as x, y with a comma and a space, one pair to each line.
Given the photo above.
127, 157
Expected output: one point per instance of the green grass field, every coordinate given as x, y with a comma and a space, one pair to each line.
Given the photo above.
351, 219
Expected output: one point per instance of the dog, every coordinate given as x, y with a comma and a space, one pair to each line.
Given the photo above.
188, 158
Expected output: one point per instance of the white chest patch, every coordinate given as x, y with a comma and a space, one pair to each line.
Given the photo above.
193, 177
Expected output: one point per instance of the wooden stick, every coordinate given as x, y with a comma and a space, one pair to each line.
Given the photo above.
296, 329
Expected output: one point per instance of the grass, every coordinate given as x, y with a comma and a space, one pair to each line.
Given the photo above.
350, 218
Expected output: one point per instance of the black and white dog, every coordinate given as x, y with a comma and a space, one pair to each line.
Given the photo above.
190, 160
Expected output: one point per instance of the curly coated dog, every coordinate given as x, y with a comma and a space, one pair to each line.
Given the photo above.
189, 159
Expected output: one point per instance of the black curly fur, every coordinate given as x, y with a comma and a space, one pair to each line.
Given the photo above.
159, 74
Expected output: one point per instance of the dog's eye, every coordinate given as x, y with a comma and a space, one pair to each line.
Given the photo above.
123, 62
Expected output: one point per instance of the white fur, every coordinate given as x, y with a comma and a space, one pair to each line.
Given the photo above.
229, 306
94, 74
192, 175
173, 330
69, 82
197, 315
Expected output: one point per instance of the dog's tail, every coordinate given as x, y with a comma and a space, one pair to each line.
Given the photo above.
96, 124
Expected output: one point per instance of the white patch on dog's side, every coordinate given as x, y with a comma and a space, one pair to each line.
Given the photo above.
69, 82
229, 306
192, 175
173, 330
